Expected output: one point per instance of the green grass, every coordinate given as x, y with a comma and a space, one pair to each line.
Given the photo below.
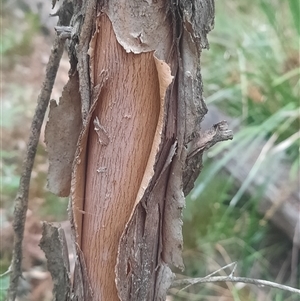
252, 73
252, 70
216, 234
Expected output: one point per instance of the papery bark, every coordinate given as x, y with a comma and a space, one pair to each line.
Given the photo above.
138, 64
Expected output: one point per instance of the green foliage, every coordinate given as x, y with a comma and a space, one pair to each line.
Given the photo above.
295, 10
216, 234
252, 73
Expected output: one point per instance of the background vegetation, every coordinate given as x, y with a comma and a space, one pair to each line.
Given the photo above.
252, 74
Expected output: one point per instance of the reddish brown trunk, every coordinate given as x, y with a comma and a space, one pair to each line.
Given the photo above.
128, 109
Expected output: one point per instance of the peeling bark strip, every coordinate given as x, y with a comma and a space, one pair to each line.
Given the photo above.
138, 64
54, 244
61, 136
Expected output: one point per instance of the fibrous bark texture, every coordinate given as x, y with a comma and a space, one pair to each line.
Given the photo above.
138, 65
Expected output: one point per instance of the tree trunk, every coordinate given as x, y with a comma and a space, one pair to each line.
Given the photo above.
135, 78
119, 147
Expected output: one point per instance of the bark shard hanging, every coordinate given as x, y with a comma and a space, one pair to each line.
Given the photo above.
61, 136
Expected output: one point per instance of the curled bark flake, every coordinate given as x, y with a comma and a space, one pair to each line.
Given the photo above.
138, 24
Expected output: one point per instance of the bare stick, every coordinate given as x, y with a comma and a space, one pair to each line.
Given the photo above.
21, 201
234, 264
229, 278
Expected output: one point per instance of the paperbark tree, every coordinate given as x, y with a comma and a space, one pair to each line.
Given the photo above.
135, 80
125, 140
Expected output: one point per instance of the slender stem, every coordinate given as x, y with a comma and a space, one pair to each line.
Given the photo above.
21, 201
257, 282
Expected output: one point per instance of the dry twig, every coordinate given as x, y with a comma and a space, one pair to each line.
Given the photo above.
21, 201
231, 278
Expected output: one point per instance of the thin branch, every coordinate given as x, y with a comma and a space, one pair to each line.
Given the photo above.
233, 270
5, 273
234, 264
257, 282
21, 201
